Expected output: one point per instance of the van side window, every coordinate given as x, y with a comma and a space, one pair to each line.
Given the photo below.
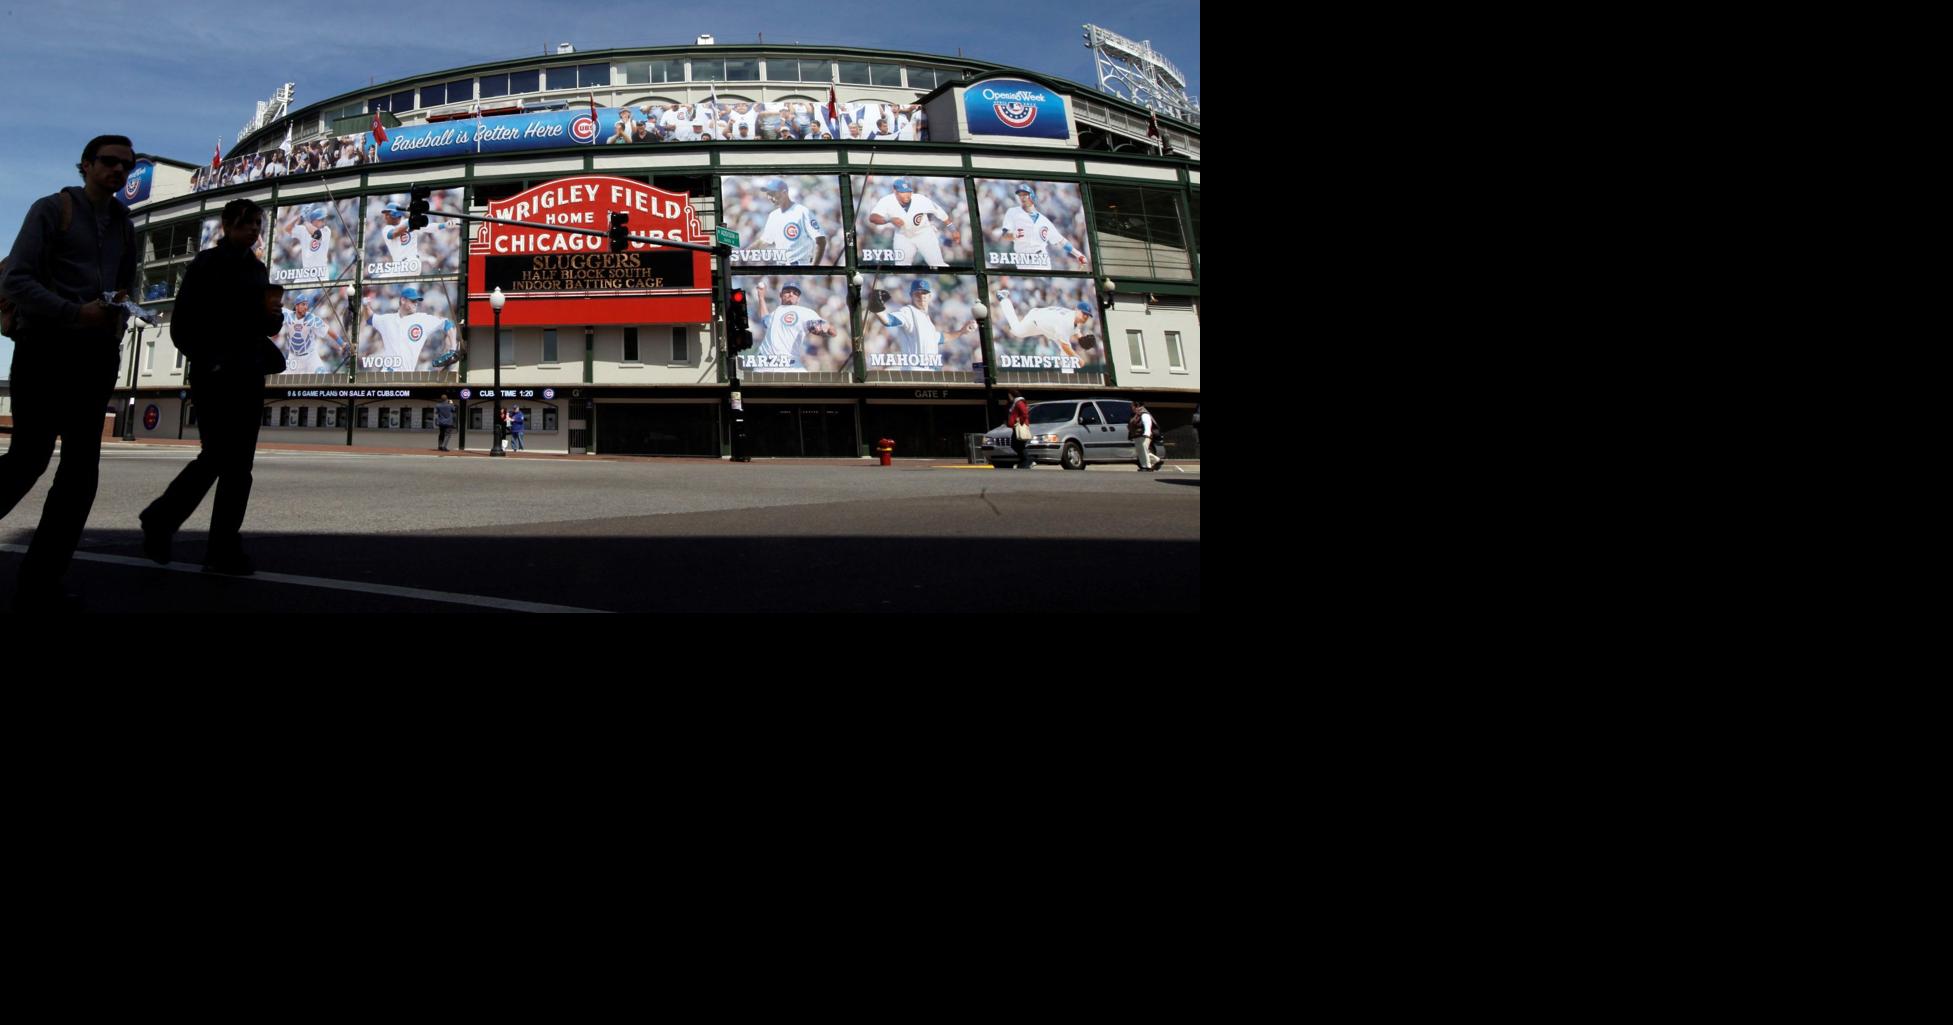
1088, 415
1115, 412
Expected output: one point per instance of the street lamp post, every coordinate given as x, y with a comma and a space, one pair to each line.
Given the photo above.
129, 416
495, 301
982, 314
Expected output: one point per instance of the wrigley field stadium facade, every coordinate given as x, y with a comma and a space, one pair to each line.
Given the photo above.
1028, 232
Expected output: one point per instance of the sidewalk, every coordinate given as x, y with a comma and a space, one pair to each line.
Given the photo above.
901, 463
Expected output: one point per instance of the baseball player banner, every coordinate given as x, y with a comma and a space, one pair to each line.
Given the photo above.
1045, 323
317, 336
924, 323
408, 328
783, 220
910, 220
393, 250
1015, 109
314, 243
799, 323
1032, 225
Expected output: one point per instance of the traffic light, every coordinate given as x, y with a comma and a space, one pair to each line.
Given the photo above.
417, 207
620, 230
739, 335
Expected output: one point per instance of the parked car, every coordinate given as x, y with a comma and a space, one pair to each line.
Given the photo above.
1069, 432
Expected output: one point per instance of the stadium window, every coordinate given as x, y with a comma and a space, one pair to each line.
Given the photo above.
594, 76
1140, 234
364, 417
525, 81
1138, 344
494, 85
630, 345
403, 100
708, 71
323, 418
474, 418
377, 103
680, 346
462, 91
646, 72
1176, 357
433, 95
549, 345
548, 418
179, 359
886, 74
921, 78
149, 358
817, 71
853, 72
742, 71
561, 78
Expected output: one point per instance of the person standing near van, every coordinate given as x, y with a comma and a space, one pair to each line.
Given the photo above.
1141, 429
1019, 422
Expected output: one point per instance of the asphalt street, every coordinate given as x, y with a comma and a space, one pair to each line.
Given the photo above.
362, 531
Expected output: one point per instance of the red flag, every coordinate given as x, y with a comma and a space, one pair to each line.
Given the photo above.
217, 153
833, 110
593, 106
379, 130
1153, 124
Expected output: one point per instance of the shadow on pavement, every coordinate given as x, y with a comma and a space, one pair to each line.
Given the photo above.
658, 574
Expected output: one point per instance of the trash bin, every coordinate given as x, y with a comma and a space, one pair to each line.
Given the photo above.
973, 443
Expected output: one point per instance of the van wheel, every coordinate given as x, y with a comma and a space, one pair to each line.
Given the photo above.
1074, 457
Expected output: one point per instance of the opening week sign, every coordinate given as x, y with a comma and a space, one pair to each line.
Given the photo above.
553, 277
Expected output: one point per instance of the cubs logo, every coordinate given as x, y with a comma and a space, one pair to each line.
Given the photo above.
789, 318
317, 245
414, 333
150, 417
584, 129
1017, 115
918, 219
1044, 234
793, 232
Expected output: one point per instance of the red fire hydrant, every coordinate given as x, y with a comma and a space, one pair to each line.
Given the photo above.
886, 447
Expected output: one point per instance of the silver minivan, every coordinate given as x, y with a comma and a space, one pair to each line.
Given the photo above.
1069, 432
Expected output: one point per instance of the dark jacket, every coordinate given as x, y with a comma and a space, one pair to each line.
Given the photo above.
50, 274
221, 323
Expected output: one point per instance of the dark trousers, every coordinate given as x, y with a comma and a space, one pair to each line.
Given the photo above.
1022, 448
52, 403
447, 430
228, 424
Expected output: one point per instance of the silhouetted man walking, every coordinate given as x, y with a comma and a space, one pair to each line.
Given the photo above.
226, 313
74, 248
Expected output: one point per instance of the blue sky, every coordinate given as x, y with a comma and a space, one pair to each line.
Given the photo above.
175, 77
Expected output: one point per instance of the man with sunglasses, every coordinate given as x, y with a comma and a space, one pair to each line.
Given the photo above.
75, 252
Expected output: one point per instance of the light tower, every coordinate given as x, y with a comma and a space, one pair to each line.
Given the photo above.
1135, 71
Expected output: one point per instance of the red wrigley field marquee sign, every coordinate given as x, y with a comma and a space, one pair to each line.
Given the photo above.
552, 277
